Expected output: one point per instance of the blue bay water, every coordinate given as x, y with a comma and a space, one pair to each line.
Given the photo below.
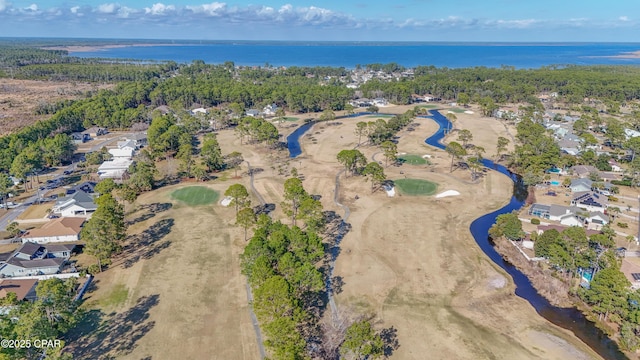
348, 54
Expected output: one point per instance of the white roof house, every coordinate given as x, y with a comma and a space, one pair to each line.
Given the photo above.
114, 169
199, 111
126, 153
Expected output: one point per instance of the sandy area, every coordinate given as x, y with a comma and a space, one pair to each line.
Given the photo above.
91, 48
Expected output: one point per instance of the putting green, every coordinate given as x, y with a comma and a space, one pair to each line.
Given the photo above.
412, 159
457, 110
415, 187
195, 195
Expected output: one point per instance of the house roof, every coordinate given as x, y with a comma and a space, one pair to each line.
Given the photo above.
559, 210
37, 263
590, 198
29, 248
582, 181
582, 170
539, 207
79, 198
20, 287
137, 136
58, 227
59, 247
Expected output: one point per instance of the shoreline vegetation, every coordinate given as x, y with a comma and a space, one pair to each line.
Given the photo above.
92, 48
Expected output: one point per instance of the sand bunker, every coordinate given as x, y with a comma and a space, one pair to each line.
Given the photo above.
226, 201
391, 191
469, 112
447, 193
426, 156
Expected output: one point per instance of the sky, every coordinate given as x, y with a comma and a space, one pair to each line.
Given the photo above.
330, 20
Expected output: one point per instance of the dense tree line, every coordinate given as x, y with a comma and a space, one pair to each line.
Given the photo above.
281, 265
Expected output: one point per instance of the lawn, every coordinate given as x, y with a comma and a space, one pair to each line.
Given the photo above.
196, 195
416, 186
457, 110
412, 159
35, 212
288, 118
380, 116
116, 298
428, 106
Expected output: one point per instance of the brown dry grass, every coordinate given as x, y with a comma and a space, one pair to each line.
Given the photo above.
35, 212
411, 261
20, 98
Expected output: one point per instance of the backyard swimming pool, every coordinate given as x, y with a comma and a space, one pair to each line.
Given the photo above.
555, 183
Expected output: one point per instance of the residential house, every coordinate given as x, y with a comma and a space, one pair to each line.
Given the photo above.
80, 138
116, 169
86, 187
583, 170
571, 220
560, 212
581, 185
539, 210
199, 111
35, 259
95, 131
270, 110
590, 201
380, 102
76, 204
252, 112
57, 230
127, 144
596, 220
630, 133
140, 139
121, 153
615, 166
25, 289
431, 98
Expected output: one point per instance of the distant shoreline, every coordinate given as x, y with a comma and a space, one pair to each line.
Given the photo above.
93, 48
627, 55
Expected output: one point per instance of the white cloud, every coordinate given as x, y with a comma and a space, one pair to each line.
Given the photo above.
213, 9
108, 8
4, 5
32, 7
74, 10
159, 9
517, 24
623, 18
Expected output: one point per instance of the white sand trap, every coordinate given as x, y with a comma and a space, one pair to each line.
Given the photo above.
426, 156
402, 153
391, 191
450, 112
226, 201
447, 193
469, 112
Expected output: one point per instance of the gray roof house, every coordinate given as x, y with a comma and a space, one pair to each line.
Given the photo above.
35, 259
590, 201
581, 185
76, 204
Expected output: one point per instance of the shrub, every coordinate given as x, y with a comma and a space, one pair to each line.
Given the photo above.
613, 199
625, 182
535, 221
623, 225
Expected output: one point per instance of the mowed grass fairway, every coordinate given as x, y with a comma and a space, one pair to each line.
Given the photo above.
415, 187
412, 159
196, 195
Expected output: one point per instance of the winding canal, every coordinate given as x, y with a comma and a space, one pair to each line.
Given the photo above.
568, 318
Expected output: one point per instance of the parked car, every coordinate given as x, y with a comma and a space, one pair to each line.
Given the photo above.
67, 172
53, 216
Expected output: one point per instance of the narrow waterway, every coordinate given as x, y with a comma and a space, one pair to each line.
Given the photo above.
568, 318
